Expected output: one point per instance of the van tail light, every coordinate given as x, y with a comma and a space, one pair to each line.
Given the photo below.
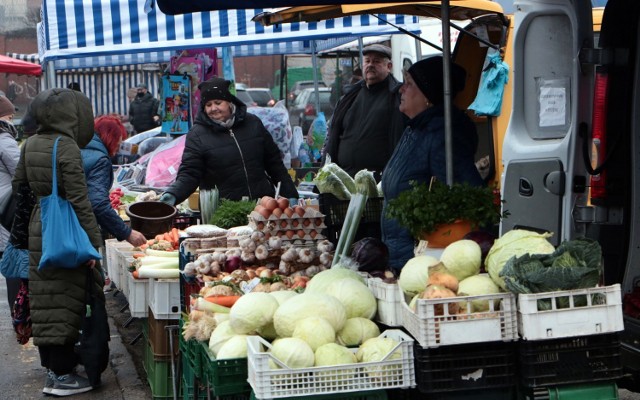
599, 135
309, 110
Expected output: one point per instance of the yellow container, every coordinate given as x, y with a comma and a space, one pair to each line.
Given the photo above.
194, 201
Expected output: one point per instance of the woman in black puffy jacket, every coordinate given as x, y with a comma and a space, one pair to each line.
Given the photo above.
230, 149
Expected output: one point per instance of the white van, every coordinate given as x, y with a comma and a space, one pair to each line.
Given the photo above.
571, 153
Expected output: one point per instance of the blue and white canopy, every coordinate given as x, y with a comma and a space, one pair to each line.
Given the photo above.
98, 33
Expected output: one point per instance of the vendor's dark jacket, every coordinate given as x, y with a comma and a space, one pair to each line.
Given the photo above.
98, 170
241, 161
419, 156
141, 112
57, 295
374, 155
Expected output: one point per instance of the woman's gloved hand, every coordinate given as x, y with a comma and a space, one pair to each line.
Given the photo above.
168, 198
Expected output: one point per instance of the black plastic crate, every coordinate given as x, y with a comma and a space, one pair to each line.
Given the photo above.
582, 359
335, 211
460, 370
188, 285
185, 220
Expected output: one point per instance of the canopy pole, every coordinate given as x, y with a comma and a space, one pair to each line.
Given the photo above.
50, 77
314, 63
446, 73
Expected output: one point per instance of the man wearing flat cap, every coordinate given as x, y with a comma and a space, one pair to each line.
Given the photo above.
143, 110
367, 124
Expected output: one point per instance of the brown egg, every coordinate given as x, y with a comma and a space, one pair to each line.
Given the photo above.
299, 210
300, 233
288, 212
318, 221
283, 202
313, 234
263, 211
271, 204
295, 223
306, 222
260, 225
265, 199
290, 234
283, 224
277, 212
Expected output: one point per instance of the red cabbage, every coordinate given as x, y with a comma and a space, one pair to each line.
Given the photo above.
371, 254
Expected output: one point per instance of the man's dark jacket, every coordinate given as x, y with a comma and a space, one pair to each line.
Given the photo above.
336, 129
141, 112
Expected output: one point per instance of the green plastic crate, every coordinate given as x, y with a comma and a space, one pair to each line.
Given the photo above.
363, 395
600, 391
158, 375
224, 377
190, 349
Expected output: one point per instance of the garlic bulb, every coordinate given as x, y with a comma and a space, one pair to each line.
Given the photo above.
247, 256
219, 257
257, 236
326, 259
261, 252
290, 255
325, 246
275, 242
305, 254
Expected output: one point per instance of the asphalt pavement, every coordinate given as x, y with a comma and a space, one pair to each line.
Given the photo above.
22, 377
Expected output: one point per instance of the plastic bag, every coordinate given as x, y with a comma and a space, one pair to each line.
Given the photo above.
276, 120
164, 163
488, 101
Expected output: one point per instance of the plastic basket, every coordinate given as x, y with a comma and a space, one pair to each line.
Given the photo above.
335, 211
467, 368
164, 298
224, 377
138, 296
158, 375
571, 313
188, 286
112, 247
565, 361
499, 323
602, 391
184, 220
270, 383
364, 395
389, 301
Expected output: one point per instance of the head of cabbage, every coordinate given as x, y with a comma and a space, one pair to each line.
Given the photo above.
356, 331
355, 296
315, 331
415, 274
252, 311
292, 352
462, 258
306, 305
334, 354
515, 243
235, 347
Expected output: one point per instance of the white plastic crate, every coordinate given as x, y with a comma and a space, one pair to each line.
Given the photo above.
578, 312
125, 258
112, 246
164, 298
138, 296
388, 299
499, 323
270, 383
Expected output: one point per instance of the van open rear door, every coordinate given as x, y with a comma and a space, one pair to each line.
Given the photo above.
544, 179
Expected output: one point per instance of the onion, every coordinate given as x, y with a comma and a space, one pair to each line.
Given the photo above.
232, 263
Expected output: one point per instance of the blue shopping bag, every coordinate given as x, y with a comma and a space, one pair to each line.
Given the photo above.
65, 244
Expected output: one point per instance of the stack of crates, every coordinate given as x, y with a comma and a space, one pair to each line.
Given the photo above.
466, 355
158, 357
570, 343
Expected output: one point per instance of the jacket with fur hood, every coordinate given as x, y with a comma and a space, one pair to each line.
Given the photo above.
57, 295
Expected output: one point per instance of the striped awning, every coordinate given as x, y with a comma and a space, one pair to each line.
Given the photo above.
32, 58
80, 34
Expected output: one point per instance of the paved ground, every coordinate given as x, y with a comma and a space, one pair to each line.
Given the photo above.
22, 377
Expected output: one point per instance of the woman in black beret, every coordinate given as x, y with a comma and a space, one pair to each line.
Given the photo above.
420, 154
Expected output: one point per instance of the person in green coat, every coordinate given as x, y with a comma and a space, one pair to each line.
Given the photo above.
57, 295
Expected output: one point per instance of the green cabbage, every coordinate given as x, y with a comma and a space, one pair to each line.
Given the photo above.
415, 274
355, 296
356, 331
252, 311
322, 280
220, 336
462, 258
334, 354
477, 285
515, 243
292, 352
235, 347
306, 305
315, 331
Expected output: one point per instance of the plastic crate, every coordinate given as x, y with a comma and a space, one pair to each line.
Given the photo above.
270, 383
112, 246
466, 369
159, 337
363, 395
224, 377
389, 301
158, 375
602, 391
125, 258
335, 211
164, 298
138, 296
571, 313
190, 350
545, 363
499, 323
184, 220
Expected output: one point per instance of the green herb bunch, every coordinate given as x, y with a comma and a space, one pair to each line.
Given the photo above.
424, 207
232, 213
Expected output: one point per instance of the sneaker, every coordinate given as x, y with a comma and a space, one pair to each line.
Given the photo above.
70, 384
48, 382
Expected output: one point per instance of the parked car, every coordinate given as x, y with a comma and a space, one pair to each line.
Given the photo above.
262, 96
245, 97
303, 111
300, 86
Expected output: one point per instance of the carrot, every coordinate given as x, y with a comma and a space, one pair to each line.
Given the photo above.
175, 235
167, 237
138, 255
135, 274
160, 237
226, 301
143, 246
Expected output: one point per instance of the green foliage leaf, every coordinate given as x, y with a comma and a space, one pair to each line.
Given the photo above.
232, 213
